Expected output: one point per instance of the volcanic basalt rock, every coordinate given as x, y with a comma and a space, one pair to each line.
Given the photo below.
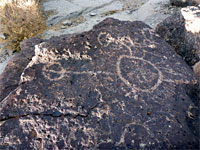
182, 32
118, 86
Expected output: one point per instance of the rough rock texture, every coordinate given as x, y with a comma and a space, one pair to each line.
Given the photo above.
182, 32
183, 3
118, 86
10, 77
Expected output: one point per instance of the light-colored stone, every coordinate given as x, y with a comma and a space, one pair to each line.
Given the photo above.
192, 18
93, 14
3, 36
67, 23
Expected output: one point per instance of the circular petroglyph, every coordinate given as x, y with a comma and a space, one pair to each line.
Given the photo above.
53, 71
138, 74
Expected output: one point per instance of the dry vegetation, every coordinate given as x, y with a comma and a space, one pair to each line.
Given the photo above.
20, 19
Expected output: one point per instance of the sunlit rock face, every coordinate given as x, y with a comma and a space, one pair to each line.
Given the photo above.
192, 24
183, 3
182, 32
192, 18
117, 86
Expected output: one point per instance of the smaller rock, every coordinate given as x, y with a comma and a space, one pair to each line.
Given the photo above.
93, 14
182, 32
4, 36
67, 23
192, 18
63, 27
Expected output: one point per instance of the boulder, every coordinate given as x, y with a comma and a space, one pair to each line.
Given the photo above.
182, 32
117, 86
184, 3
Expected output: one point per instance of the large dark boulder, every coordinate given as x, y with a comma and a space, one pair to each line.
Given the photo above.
184, 3
182, 32
118, 86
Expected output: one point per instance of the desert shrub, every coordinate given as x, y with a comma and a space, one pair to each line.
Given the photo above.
20, 19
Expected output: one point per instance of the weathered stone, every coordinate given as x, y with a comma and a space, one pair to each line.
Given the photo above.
182, 32
67, 23
118, 86
184, 3
3, 36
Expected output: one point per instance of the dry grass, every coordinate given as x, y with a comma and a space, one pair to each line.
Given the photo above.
20, 19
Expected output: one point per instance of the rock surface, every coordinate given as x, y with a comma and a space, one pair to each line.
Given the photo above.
182, 32
183, 3
9, 79
118, 86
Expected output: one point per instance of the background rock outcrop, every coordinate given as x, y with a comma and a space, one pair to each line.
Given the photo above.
118, 86
183, 3
182, 32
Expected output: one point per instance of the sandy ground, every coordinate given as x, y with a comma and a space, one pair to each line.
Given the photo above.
75, 16
151, 12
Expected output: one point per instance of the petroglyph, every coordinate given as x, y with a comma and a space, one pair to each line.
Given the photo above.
145, 76
142, 77
64, 73
149, 77
59, 73
126, 128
